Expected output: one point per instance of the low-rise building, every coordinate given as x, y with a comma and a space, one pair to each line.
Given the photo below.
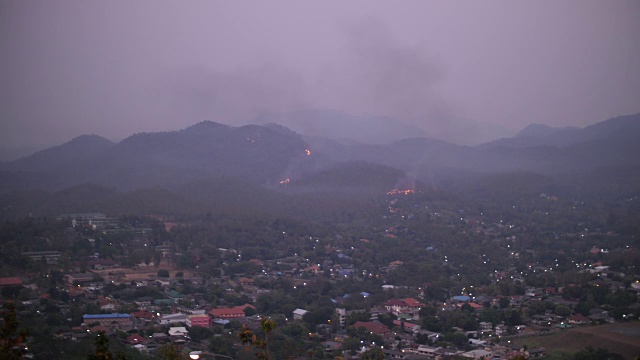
230, 313
298, 314
108, 320
200, 320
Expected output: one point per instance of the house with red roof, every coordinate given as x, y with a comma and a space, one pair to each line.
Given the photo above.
474, 306
135, 339
408, 327
315, 269
143, 315
408, 305
578, 319
245, 281
230, 313
10, 281
373, 327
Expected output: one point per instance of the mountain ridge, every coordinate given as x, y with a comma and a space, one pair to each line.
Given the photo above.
265, 155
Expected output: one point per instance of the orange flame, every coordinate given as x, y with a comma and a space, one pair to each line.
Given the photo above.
308, 152
285, 181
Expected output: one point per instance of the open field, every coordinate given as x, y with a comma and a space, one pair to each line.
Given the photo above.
623, 339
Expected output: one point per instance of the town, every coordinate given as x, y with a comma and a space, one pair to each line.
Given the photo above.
415, 276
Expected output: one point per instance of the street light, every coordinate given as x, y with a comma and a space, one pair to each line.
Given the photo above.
195, 355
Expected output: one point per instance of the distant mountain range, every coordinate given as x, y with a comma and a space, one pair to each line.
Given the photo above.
383, 130
210, 161
207, 149
343, 127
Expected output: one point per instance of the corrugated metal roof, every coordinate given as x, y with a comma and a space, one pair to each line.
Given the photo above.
105, 316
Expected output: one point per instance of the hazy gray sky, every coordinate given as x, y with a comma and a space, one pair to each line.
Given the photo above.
113, 68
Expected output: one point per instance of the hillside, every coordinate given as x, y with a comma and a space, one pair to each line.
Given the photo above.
215, 166
253, 153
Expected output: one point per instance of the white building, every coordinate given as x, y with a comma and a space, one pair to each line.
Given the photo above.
299, 313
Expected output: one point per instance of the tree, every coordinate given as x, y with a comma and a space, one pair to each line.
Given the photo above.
198, 333
222, 345
504, 302
171, 352
563, 310
11, 338
249, 339
373, 354
537, 307
102, 348
249, 311
157, 257
163, 273
351, 344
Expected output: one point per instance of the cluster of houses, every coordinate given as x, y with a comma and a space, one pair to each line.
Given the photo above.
403, 339
400, 340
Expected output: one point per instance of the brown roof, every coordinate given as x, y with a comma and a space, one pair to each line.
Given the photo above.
10, 281
237, 310
412, 302
135, 339
98, 328
143, 314
475, 306
579, 318
374, 327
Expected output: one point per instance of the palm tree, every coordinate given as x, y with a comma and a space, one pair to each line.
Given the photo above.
249, 338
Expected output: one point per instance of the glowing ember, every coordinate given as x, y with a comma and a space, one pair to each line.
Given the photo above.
308, 152
400, 192
285, 181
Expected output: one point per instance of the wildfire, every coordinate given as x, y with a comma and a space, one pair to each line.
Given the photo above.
308, 152
400, 192
285, 181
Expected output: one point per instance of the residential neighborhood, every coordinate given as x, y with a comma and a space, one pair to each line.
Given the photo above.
322, 292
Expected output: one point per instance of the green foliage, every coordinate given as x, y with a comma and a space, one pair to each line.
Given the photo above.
537, 307
102, 351
457, 338
249, 311
373, 354
563, 310
249, 339
198, 333
172, 352
223, 346
11, 337
351, 344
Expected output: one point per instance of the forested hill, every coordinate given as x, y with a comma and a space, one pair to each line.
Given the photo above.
253, 153
211, 161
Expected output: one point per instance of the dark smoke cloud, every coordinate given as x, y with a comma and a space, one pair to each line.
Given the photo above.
240, 95
113, 68
374, 74
379, 75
